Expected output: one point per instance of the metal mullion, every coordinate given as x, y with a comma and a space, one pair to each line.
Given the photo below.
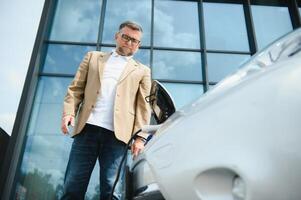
203, 45
180, 81
56, 75
223, 1
101, 24
145, 47
107, 45
176, 49
278, 3
212, 83
250, 27
294, 13
228, 52
70, 43
113, 45
187, 0
152, 36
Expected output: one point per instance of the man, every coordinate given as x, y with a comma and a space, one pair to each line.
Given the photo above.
108, 97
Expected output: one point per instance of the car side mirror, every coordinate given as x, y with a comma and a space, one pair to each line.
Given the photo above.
161, 102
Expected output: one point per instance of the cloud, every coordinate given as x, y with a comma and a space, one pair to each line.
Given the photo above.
177, 65
56, 175
16, 80
12, 81
7, 121
136, 10
76, 20
170, 31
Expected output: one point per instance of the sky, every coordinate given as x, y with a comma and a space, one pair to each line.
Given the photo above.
17, 39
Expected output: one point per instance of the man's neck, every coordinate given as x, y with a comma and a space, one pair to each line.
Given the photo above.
122, 53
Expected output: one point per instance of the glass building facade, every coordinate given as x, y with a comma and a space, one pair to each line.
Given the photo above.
189, 46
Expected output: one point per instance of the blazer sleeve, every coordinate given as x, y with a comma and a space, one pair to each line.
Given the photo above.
143, 111
75, 91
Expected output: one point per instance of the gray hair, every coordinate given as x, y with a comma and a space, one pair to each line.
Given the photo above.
132, 25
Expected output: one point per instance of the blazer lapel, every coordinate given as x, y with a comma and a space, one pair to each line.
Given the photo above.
102, 59
130, 66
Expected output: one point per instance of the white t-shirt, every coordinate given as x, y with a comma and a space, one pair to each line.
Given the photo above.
103, 112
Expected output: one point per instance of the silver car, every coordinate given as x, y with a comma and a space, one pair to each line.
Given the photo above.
239, 141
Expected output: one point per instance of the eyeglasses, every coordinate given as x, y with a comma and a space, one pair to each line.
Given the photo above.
127, 38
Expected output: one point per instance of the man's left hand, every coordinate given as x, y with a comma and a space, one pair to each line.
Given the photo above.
137, 147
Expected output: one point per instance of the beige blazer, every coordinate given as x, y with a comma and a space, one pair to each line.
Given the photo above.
131, 111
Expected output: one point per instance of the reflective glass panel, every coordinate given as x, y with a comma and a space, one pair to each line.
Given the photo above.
270, 23
221, 65
48, 106
176, 24
43, 168
225, 27
76, 20
107, 49
184, 94
143, 55
64, 59
118, 11
177, 65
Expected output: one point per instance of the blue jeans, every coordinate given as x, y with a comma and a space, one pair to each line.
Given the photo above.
92, 143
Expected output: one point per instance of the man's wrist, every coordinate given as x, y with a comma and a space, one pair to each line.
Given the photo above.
65, 114
141, 138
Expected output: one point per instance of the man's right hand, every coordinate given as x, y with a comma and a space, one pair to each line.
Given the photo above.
66, 121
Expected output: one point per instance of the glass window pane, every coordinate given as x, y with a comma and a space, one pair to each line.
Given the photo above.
64, 59
118, 11
176, 24
107, 49
177, 65
48, 106
143, 55
43, 168
221, 65
184, 94
76, 20
270, 23
223, 23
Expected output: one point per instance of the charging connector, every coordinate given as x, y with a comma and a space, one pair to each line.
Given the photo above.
151, 129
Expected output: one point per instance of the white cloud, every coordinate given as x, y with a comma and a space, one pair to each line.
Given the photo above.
12, 80
77, 19
56, 175
7, 121
169, 31
15, 80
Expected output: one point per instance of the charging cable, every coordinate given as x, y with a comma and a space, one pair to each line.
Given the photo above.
151, 129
